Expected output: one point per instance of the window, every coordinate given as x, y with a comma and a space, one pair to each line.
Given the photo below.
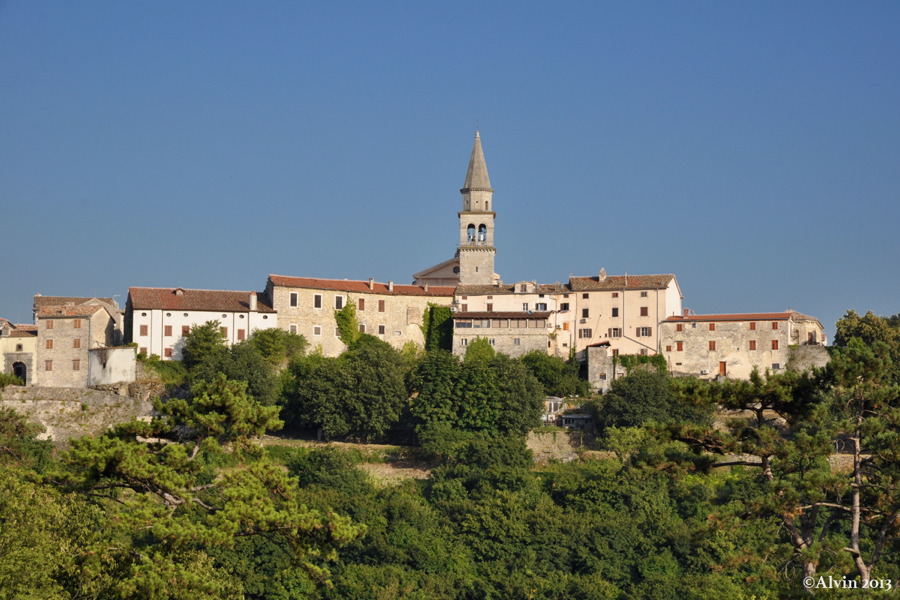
645, 312
167, 330
644, 331
381, 330
491, 341
224, 331
317, 301
362, 304
525, 306
185, 329
585, 312
615, 352
776, 366
774, 324
679, 346
48, 365
712, 345
168, 352
76, 323
338, 302
381, 306
143, 330
76, 343
317, 330
337, 332
540, 306
712, 326
615, 332
752, 325
643, 352
143, 350
774, 344
643, 294
76, 364
293, 298
50, 324
517, 341
240, 334
585, 333
465, 307
615, 294
752, 344
362, 327
49, 344
566, 326
679, 327
615, 312
293, 328
585, 296
668, 348
18, 347
464, 341
564, 306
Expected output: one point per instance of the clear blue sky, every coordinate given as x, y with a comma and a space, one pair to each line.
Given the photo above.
753, 149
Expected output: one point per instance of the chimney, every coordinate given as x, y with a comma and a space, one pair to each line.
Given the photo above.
425, 287
371, 283
252, 300
179, 292
601, 277
687, 312
390, 286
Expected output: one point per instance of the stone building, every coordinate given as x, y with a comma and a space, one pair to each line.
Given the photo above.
65, 335
41, 301
156, 319
512, 333
732, 345
388, 311
18, 344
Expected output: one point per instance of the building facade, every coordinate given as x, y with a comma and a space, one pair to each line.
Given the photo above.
65, 335
18, 345
157, 319
732, 345
391, 312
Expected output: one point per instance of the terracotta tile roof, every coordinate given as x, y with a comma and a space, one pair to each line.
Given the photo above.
65, 310
489, 290
142, 298
23, 331
500, 315
41, 301
619, 282
774, 316
360, 287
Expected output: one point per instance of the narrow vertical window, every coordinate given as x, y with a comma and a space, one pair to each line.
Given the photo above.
317, 301
293, 298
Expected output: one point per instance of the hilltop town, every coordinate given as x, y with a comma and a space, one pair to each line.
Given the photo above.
83, 342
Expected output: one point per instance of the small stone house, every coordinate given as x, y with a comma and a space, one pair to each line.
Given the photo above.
18, 344
65, 335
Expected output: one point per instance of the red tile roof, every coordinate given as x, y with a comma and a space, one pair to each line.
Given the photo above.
620, 282
141, 298
360, 287
779, 316
41, 301
482, 290
63, 311
501, 315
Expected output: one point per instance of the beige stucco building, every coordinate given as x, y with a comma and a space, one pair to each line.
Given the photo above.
388, 311
18, 344
732, 345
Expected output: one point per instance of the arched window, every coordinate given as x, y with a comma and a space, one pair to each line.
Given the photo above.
482, 233
470, 230
487, 205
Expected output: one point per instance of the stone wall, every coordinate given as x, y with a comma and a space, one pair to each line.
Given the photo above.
555, 445
805, 357
68, 413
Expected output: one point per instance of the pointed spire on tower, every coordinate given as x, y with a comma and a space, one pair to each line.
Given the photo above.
477, 175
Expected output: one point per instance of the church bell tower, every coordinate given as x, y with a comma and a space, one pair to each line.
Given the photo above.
476, 223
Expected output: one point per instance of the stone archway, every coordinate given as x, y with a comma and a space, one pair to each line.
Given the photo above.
20, 371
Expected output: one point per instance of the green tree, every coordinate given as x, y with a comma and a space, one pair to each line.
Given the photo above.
347, 323
646, 395
559, 377
480, 349
204, 344
277, 346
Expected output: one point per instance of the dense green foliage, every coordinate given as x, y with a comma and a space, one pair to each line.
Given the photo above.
559, 377
437, 328
189, 505
9, 379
